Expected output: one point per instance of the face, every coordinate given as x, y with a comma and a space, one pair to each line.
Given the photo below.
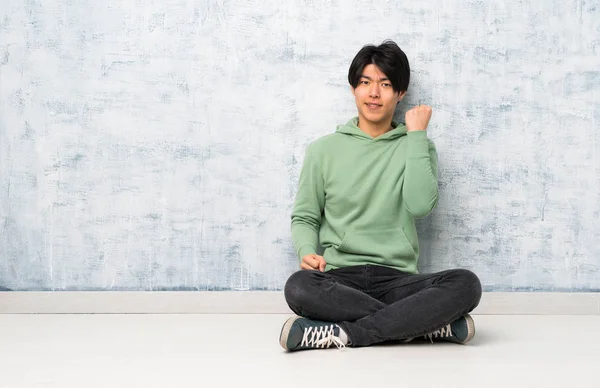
375, 98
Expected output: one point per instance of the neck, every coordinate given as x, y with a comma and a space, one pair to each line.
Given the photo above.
374, 129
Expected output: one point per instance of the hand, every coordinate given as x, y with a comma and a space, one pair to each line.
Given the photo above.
417, 118
314, 262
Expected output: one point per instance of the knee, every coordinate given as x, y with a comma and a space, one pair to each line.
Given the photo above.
297, 289
470, 284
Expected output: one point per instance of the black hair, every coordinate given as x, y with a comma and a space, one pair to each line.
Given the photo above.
389, 58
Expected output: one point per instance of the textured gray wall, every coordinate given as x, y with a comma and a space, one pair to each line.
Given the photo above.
157, 144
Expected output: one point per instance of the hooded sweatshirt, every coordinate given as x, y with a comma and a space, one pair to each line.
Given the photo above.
358, 197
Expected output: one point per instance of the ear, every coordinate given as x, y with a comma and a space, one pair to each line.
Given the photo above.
353, 91
401, 95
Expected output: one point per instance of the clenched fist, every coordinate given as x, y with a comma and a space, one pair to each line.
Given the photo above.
417, 118
315, 262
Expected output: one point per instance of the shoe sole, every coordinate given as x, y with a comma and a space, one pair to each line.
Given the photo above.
285, 331
471, 328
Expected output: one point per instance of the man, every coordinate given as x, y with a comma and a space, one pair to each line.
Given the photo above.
359, 193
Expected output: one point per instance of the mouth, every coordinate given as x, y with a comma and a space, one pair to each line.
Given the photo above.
373, 106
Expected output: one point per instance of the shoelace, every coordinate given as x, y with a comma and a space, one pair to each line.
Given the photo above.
441, 333
321, 337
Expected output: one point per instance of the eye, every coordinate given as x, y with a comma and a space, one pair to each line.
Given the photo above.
364, 82
387, 85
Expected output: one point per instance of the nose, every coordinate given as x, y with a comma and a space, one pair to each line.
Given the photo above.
374, 90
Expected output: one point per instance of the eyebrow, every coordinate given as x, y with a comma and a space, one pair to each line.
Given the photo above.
371, 79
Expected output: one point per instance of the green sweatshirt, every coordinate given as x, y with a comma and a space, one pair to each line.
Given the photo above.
359, 196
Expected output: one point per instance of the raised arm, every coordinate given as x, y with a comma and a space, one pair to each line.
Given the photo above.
420, 191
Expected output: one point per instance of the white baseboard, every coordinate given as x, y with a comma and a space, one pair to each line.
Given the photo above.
261, 302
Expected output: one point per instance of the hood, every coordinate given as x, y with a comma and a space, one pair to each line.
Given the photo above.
351, 128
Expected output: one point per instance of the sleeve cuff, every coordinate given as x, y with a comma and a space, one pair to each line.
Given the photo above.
418, 144
306, 250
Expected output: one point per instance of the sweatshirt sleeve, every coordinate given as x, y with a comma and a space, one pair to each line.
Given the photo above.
420, 191
308, 206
